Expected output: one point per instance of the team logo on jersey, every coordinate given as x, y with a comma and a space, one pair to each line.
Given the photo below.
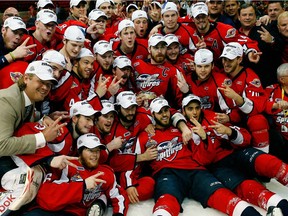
256, 82
74, 85
215, 45
127, 146
40, 127
205, 102
76, 178
146, 81
15, 76
168, 150
227, 82
231, 33
92, 194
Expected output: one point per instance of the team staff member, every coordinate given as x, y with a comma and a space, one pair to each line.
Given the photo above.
17, 104
276, 107
75, 189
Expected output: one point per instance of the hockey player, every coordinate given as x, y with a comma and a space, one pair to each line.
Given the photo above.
75, 189
205, 83
43, 35
183, 61
158, 77
225, 151
178, 176
214, 36
248, 94
128, 45
75, 85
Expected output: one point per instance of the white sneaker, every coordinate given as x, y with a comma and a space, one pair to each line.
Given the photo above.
274, 211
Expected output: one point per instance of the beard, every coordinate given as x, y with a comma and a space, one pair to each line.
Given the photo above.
165, 125
87, 164
125, 119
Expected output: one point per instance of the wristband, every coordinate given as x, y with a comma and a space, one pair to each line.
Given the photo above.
12, 56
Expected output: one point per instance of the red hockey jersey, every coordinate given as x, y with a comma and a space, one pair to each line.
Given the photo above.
69, 192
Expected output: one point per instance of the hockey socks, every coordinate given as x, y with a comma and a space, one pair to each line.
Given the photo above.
166, 205
270, 166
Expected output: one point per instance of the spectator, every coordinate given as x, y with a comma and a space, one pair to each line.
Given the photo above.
215, 12
231, 8
9, 12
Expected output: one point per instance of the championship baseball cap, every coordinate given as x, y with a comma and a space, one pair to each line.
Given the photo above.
121, 62
199, 8
156, 3
42, 70
191, 97
169, 6
90, 141
55, 57
100, 2
107, 107
14, 23
76, 2
125, 24
155, 39
84, 52
131, 6
82, 108
171, 38
43, 3
96, 14
157, 104
101, 47
232, 50
74, 33
139, 14
45, 16
203, 56
126, 99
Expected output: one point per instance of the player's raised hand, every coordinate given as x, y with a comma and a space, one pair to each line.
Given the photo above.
53, 130
114, 86
23, 50
198, 129
63, 161
181, 82
254, 57
220, 128
201, 42
102, 86
92, 181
